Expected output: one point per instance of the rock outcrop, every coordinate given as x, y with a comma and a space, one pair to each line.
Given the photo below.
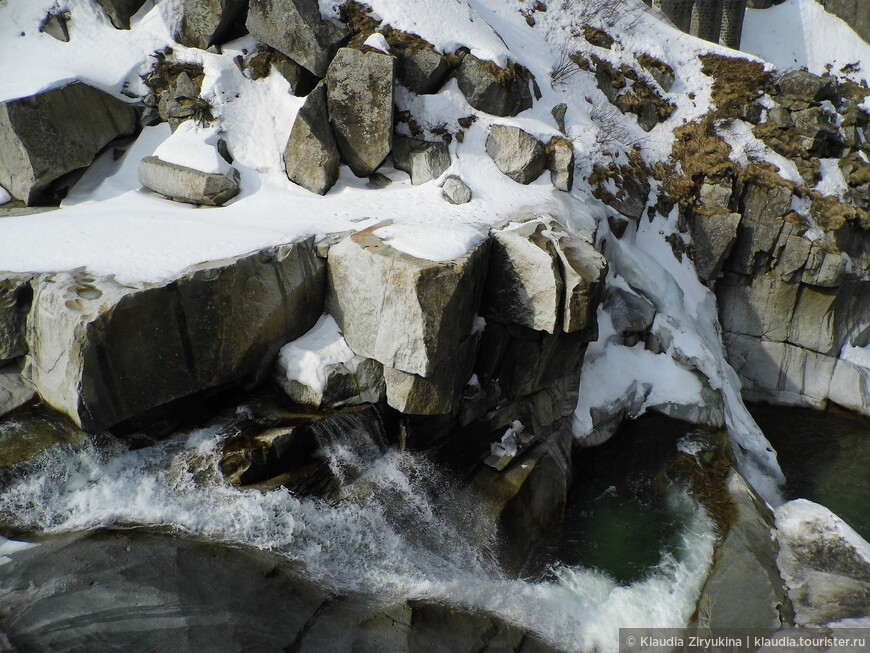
102, 352
184, 184
47, 135
311, 157
360, 98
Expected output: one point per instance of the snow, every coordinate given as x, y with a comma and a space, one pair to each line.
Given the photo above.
509, 443
378, 42
800, 33
832, 181
8, 547
4, 195
194, 147
805, 523
305, 359
859, 356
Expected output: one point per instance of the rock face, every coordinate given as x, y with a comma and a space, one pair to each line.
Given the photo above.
492, 89
102, 352
295, 28
311, 157
206, 22
423, 160
15, 298
515, 152
14, 392
360, 98
120, 11
854, 12
184, 184
55, 132
825, 564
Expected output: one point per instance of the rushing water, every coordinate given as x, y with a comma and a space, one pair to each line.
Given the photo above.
401, 531
825, 456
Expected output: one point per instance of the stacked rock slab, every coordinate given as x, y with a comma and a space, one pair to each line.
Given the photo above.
47, 135
102, 352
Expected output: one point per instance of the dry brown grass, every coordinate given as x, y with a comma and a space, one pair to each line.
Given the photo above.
736, 82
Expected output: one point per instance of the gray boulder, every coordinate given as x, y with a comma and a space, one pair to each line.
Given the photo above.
296, 28
455, 191
103, 352
15, 297
311, 156
560, 163
360, 98
120, 11
344, 386
423, 160
494, 90
184, 184
715, 197
45, 136
542, 278
420, 68
518, 154
629, 312
405, 312
714, 235
799, 89
203, 23
55, 25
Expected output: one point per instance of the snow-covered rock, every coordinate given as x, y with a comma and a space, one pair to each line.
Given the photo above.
55, 132
184, 184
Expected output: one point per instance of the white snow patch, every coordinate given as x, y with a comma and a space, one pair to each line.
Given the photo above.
8, 547
803, 521
859, 356
4, 195
305, 358
194, 147
832, 181
509, 443
378, 42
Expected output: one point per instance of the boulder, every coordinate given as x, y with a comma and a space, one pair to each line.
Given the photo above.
423, 160
103, 352
14, 392
825, 564
542, 278
203, 23
516, 153
15, 298
311, 156
713, 235
494, 90
455, 191
296, 28
120, 11
560, 163
47, 135
405, 312
715, 197
420, 68
799, 89
360, 98
55, 25
629, 313
184, 184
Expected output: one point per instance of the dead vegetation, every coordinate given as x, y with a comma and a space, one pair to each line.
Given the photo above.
736, 82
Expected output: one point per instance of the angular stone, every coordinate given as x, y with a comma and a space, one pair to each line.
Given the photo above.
47, 135
516, 153
360, 98
14, 392
825, 564
423, 160
491, 89
15, 298
55, 26
455, 191
583, 269
714, 235
311, 157
184, 184
560, 163
629, 313
420, 68
715, 196
406, 312
120, 11
804, 87
296, 28
102, 352
205, 23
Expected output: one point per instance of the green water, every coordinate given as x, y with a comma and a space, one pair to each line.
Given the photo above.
825, 456
619, 518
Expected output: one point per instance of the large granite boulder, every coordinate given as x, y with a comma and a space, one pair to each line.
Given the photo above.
103, 352
423, 160
360, 98
296, 28
825, 564
47, 135
405, 312
495, 90
542, 278
120, 11
184, 184
203, 23
311, 156
516, 153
